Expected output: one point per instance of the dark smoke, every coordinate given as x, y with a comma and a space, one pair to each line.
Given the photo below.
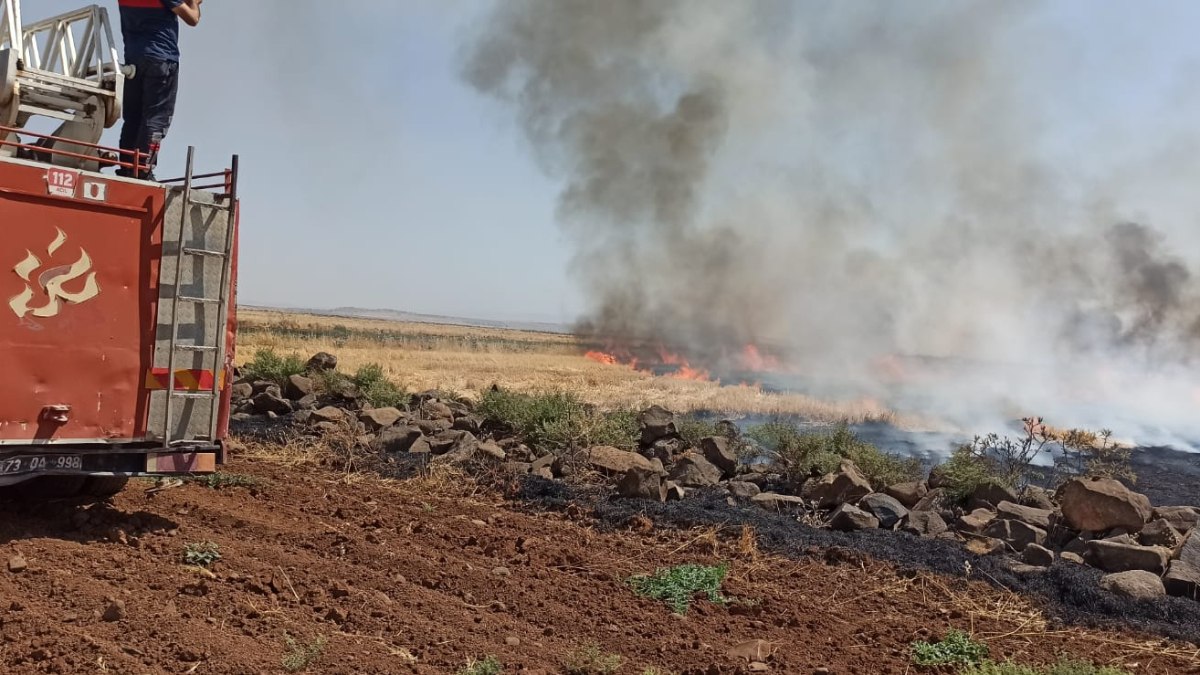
850, 181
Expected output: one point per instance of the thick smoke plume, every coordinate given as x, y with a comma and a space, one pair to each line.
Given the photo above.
896, 198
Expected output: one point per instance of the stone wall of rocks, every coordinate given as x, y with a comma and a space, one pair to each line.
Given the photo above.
1146, 551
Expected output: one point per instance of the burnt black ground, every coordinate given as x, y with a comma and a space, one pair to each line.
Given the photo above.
1070, 593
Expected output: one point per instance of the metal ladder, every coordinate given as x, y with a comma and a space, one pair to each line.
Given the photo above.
216, 349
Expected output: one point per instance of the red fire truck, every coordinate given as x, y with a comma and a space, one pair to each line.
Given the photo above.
117, 299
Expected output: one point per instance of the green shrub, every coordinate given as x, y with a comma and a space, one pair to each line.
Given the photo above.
808, 453
558, 421
590, 660
966, 471
678, 585
956, 649
267, 365
377, 388
488, 666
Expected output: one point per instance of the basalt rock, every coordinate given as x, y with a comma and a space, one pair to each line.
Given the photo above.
1026, 514
656, 422
719, 451
640, 483
1112, 556
847, 518
1102, 504
907, 494
846, 485
887, 509
1134, 584
693, 470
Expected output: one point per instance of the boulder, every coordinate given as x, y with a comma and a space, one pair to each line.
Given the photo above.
543, 466
846, 485
1183, 580
329, 413
932, 501
267, 402
887, 509
380, 418
298, 386
907, 494
307, 403
1039, 518
1038, 498
1182, 518
448, 441
492, 450
990, 495
1102, 504
719, 451
985, 546
1189, 552
436, 410
1112, 556
639, 483
693, 470
454, 447
242, 391
321, 361
1036, 554
847, 518
743, 489
666, 450
924, 524
1015, 533
269, 387
976, 521
776, 502
1134, 584
675, 492
432, 427
420, 447
656, 422
471, 423
616, 462
1160, 533
397, 439
1068, 556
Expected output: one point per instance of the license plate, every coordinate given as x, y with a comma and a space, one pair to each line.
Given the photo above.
36, 463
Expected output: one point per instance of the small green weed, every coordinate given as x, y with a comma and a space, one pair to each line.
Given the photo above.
965, 472
218, 480
1066, 666
270, 366
678, 585
956, 649
201, 554
377, 388
591, 660
300, 656
488, 666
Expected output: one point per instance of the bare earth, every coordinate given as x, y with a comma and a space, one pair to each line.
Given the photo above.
399, 577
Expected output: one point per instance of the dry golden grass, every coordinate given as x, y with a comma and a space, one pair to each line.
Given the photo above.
468, 360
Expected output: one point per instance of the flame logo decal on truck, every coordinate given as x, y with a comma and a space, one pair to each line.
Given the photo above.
53, 282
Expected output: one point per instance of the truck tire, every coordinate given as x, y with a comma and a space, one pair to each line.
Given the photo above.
103, 487
48, 487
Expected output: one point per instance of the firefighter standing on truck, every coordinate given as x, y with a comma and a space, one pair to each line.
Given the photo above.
150, 29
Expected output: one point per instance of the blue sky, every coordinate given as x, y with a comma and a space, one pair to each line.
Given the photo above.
371, 175
374, 177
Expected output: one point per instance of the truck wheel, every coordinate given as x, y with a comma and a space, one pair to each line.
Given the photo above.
104, 487
48, 487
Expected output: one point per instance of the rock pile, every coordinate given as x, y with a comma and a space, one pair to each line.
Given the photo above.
1146, 551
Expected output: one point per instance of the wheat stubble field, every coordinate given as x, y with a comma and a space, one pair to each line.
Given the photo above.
468, 360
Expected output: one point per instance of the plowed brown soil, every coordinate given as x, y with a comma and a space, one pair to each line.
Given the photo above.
416, 578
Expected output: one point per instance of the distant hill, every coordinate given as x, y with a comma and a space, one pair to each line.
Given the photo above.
397, 315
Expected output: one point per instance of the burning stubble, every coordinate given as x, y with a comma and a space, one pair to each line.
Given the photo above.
874, 195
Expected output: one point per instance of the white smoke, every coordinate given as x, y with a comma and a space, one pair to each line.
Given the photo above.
858, 180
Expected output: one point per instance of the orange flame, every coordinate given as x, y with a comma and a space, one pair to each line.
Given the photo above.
601, 357
754, 360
